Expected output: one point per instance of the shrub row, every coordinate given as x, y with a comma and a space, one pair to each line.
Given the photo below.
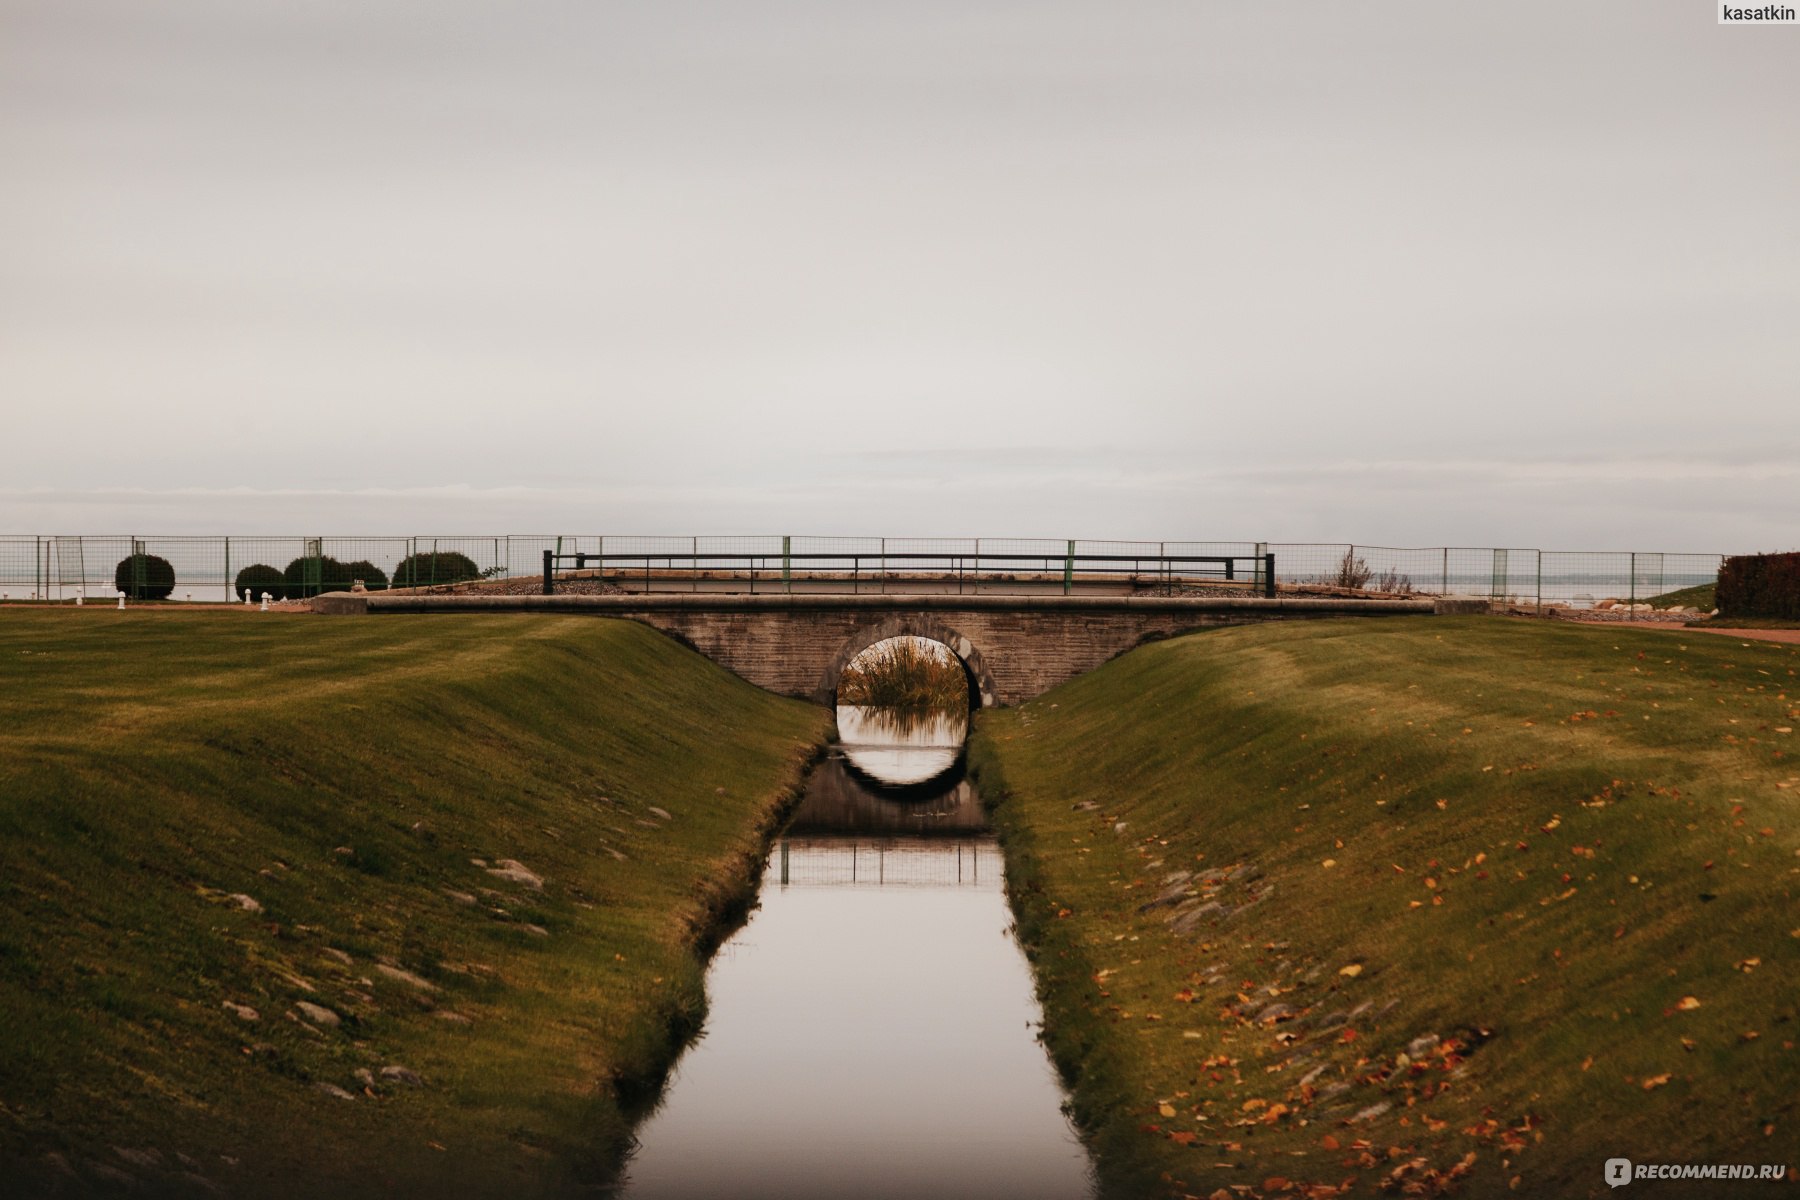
1760, 585
152, 577
309, 576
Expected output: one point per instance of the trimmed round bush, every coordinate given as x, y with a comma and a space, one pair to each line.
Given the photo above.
308, 576
373, 577
257, 579
144, 577
446, 566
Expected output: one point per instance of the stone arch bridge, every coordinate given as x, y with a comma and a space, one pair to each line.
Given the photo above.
1013, 647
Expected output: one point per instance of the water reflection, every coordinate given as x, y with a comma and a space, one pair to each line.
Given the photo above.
901, 746
871, 1030
837, 802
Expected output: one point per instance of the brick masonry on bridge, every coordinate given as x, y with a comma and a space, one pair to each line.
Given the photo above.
1015, 647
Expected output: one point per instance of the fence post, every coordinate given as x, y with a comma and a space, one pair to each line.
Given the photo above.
1633, 586
1069, 568
1269, 575
1540, 583
1446, 588
230, 583
312, 573
549, 577
787, 564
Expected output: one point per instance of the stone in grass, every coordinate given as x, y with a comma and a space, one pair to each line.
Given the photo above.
513, 871
1373, 1111
113, 1175
660, 813
1186, 920
334, 1091
399, 1074
404, 976
242, 1012
318, 1014
247, 903
198, 1183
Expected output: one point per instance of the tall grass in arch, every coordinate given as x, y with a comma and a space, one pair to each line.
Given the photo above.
905, 672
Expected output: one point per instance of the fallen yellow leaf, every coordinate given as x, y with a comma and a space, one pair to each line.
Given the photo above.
1353, 970
1688, 1003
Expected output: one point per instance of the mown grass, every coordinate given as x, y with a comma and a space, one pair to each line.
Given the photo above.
346, 776
1525, 892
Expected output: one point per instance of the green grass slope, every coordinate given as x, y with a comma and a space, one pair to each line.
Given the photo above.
209, 820
1701, 596
1421, 906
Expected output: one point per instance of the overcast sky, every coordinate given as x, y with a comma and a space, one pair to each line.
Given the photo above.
1402, 273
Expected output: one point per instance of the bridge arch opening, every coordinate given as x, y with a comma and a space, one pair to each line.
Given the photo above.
981, 689
903, 705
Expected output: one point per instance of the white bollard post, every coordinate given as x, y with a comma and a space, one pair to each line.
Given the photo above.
121, 601
79, 597
247, 598
265, 603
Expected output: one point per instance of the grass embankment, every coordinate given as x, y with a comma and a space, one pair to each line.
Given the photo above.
1701, 596
1473, 904
200, 811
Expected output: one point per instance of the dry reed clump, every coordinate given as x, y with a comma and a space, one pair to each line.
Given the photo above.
905, 672
1354, 573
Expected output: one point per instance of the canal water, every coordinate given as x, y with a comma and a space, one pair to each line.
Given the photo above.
872, 1029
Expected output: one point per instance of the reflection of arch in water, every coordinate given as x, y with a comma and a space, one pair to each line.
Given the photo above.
837, 802
923, 625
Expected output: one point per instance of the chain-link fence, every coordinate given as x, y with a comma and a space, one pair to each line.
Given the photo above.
1573, 578
221, 568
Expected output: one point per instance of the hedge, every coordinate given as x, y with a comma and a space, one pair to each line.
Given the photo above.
373, 577
144, 577
1760, 585
257, 579
445, 566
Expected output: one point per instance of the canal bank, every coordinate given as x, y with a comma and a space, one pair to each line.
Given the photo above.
1464, 905
304, 907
